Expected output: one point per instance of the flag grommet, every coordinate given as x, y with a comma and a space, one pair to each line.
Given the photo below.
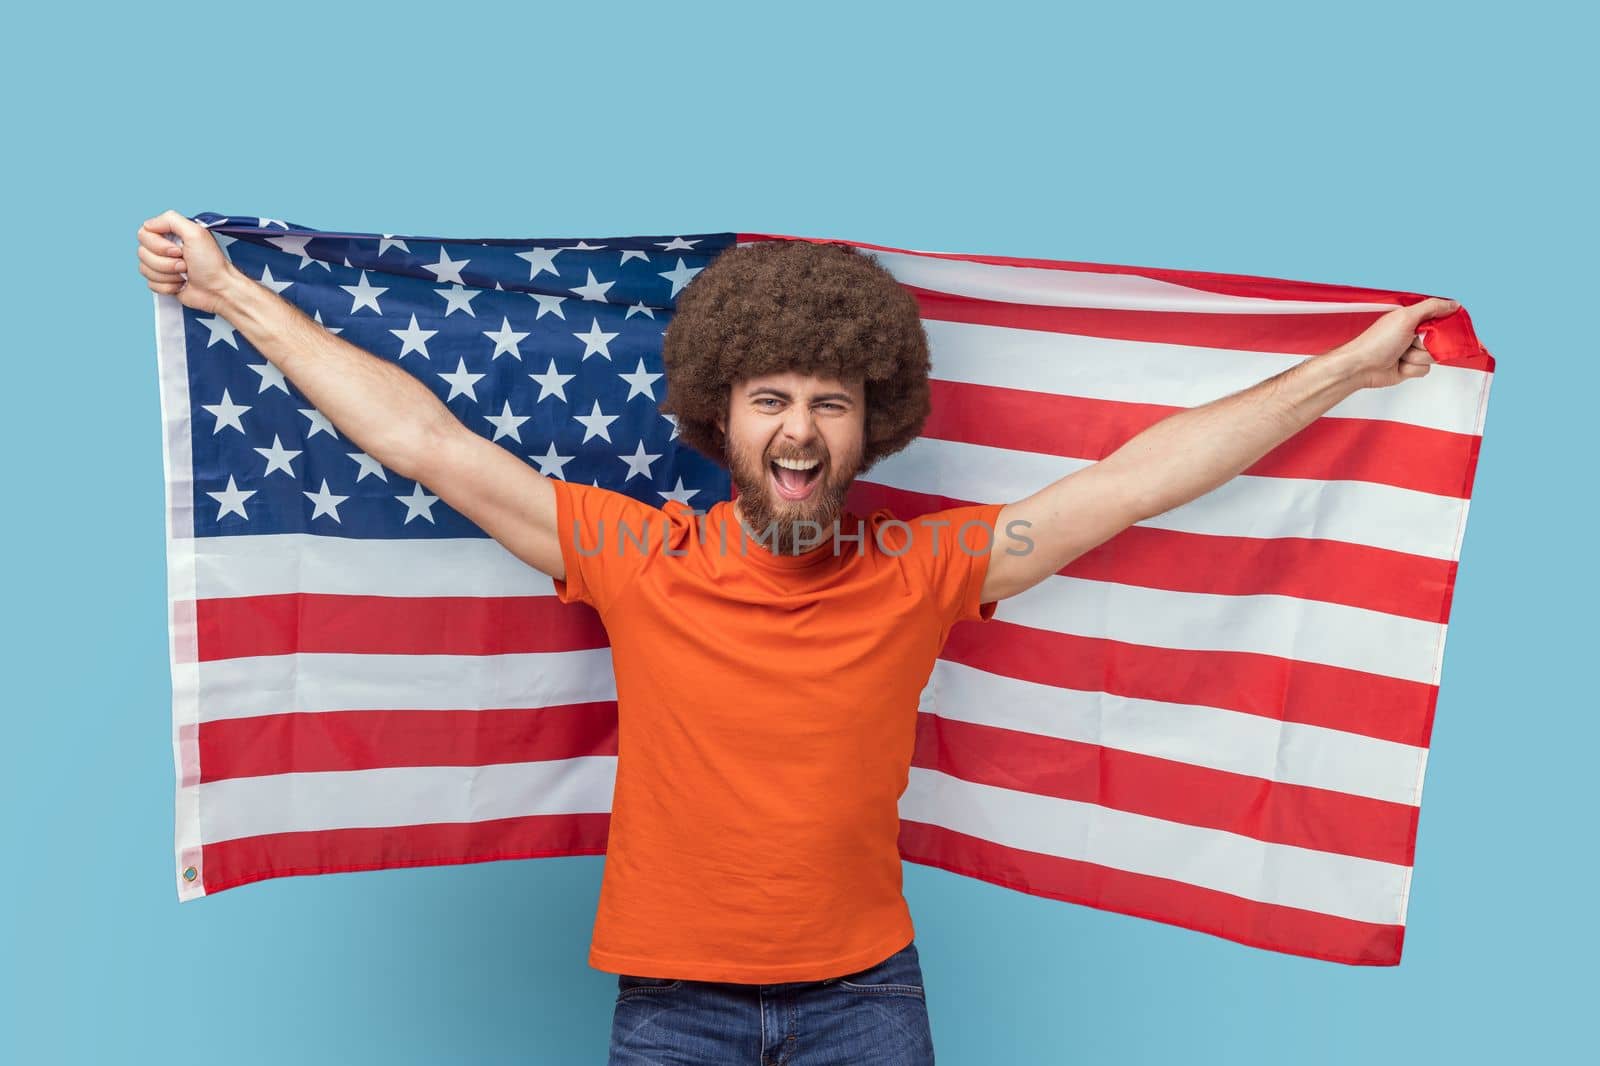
190, 873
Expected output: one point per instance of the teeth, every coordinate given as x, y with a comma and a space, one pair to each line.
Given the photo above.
797, 464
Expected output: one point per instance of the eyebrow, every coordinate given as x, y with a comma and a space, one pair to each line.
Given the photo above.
785, 396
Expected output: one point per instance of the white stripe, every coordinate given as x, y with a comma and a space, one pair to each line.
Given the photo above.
1382, 516
1218, 739
404, 795
1077, 287
177, 463
1174, 375
1361, 889
347, 566
1286, 626
1081, 286
1310, 631
277, 684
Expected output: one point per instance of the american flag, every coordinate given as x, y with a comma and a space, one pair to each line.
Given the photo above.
1217, 719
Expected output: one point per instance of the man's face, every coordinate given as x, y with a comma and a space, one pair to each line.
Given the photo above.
813, 423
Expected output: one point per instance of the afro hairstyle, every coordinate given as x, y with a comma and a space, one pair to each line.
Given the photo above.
780, 306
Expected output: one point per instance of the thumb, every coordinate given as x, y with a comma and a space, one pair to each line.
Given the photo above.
1432, 307
181, 226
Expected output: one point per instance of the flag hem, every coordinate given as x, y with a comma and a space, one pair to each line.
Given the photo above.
172, 366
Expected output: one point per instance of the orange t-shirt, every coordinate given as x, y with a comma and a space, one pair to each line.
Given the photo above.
767, 710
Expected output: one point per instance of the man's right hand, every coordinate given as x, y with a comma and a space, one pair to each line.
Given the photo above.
179, 257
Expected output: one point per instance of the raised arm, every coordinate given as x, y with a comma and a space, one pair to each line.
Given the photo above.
1191, 452
391, 415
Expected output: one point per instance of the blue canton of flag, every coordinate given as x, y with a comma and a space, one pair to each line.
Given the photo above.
551, 349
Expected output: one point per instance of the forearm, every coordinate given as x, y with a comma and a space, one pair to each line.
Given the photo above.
387, 413
1194, 451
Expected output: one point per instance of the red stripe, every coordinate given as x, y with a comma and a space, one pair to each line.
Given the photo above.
285, 623
1331, 571
1275, 687
1296, 334
365, 740
328, 851
1450, 338
1262, 925
1329, 449
1286, 690
1316, 818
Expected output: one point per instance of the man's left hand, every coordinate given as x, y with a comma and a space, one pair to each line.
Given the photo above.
1389, 351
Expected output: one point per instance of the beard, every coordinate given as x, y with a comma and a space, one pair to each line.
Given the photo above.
762, 508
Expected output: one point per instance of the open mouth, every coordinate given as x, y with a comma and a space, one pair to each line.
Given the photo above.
795, 479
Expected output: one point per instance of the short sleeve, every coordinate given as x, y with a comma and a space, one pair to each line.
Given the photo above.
951, 550
606, 539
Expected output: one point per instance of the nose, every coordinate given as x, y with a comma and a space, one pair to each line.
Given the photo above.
799, 425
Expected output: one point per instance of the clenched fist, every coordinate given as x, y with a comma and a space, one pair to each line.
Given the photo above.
179, 257
1389, 351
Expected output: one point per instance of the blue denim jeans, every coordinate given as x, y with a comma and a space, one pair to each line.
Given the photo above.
877, 1015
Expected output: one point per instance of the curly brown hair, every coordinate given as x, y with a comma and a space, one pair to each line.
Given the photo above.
778, 306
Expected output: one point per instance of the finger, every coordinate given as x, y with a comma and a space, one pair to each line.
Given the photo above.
1416, 357
162, 276
164, 263
152, 240
165, 290
1414, 370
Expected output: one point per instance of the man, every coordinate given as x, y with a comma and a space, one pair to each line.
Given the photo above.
769, 653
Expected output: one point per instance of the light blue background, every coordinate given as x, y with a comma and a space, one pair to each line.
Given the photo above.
1434, 149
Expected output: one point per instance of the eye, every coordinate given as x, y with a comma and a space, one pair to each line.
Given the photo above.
767, 399
834, 406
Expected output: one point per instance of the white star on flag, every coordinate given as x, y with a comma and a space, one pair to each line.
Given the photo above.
271, 282
278, 457
551, 382
638, 463
221, 330
227, 412
549, 303
680, 493
595, 424
231, 500
366, 464
506, 424
505, 339
639, 382
541, 259
462, 382
418, 503
325, 502
319, 423
595, 341
414, 340
447, 269
297, 246
271, 377
680, 276
550, 463
365, 293
593, 290
457, 298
